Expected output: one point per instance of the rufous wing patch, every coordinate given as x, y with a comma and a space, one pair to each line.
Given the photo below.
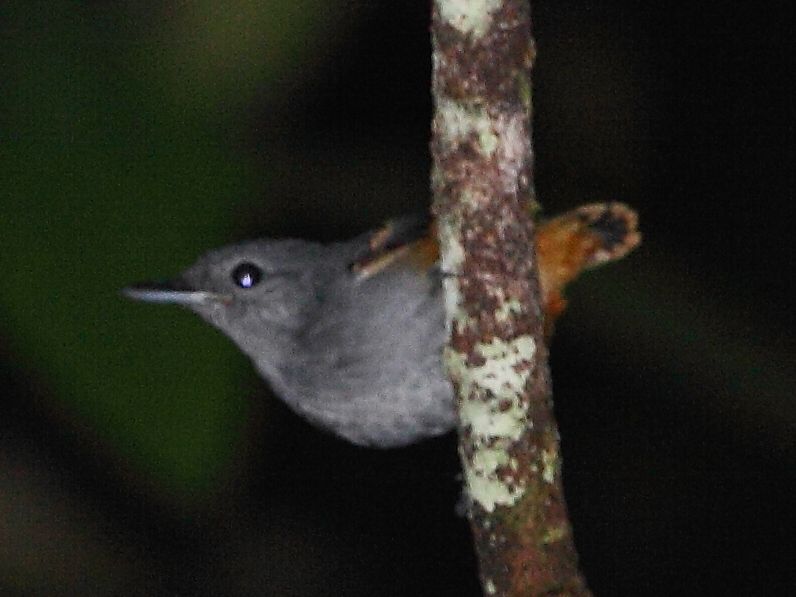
577, 240
410, 240
566, 245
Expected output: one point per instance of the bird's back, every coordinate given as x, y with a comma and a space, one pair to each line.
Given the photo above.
372, 366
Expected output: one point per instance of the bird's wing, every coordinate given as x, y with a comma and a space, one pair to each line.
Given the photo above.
566, 245
410, 239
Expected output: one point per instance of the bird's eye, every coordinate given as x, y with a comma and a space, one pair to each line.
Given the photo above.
246, 275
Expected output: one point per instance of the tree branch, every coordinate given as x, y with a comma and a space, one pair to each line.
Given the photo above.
497, 359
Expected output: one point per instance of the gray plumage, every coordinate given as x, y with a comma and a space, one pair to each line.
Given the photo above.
357, 355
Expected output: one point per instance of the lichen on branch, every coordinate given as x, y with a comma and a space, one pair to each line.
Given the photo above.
496, 356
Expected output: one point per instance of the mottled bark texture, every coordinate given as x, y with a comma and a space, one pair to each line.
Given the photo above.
497, 359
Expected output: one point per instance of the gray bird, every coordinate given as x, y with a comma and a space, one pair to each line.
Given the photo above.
350, 334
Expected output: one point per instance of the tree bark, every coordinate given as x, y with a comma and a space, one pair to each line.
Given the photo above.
497, 359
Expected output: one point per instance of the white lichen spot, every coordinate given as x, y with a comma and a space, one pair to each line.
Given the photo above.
487, 459
554, 534
456, 122
468, 16
499, 374
451, 259
489, 587
487, 140
549, 466
489, 491
494, 414
507, 309
515, 148
452, 302
484, 419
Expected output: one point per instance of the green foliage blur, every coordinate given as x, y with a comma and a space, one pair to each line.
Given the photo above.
118, 165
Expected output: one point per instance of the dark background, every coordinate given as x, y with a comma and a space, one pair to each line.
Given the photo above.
140, 454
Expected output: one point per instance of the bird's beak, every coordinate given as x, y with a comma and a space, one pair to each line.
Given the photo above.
175, 291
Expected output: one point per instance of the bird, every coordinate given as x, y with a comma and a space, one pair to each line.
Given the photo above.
350, 334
